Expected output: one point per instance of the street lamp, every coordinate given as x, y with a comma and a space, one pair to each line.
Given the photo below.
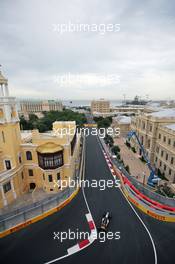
144, 177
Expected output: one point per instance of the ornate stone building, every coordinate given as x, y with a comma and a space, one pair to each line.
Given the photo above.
29, 159
157, 134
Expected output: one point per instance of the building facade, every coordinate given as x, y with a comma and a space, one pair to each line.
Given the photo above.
29, 159
129, 110
123, 123
100, 106
165, 151
38, 106
156, 133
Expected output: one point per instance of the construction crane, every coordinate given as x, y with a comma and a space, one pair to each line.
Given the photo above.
153, 179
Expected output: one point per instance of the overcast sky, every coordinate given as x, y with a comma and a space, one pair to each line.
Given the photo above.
38, 60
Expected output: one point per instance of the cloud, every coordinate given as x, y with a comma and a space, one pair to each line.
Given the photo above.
142, 53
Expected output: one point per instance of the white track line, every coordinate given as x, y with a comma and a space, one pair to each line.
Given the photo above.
142, 222
150, 236
89, 217
73, 250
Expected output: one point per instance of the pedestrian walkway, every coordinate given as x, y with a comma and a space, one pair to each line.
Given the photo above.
136, 166
25, 199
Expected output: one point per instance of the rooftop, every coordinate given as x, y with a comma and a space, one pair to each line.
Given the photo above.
165, 113
172, 126
123, 119
26, 135
49, 147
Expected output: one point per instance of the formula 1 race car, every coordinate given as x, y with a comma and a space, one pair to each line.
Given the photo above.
105, 222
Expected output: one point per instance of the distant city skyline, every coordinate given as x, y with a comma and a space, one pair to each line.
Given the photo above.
130, 51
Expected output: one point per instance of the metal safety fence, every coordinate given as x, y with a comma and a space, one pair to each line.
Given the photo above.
23, 214
146, 190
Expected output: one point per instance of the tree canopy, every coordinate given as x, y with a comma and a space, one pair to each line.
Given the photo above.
45, 123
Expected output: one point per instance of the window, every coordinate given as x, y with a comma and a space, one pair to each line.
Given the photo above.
20, 159
73, 142
43, 177
169, 171
7, 187
150, 128
3, 137
32, 186
157, 149
30, 172
166, 156
172, 160
169, 141
164, 167
51, 190
159, 136
28, 155
58, 176
164, 139
50, 178
8, 164
162, 153
22, 175
160, 163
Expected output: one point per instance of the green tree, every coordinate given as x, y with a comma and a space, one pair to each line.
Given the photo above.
116, 150
45, 123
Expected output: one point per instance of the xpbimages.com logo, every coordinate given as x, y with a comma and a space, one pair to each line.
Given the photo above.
86, 131
82, 235
93, 183
78, 27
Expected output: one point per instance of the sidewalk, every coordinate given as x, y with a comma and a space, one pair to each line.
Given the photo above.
24, 200
136, 166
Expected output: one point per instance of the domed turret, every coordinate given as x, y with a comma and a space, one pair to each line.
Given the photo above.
8, 107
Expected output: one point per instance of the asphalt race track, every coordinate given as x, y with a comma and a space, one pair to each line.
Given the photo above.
35, 244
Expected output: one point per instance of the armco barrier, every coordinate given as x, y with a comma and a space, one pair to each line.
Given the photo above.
39, 217
36, 210
155, 203
146, 190
149, 212
137, 203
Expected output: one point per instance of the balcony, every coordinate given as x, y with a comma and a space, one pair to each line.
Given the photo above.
50, 156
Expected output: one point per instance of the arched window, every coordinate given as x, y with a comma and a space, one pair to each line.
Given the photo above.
50, 178
32, 185
28, 155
